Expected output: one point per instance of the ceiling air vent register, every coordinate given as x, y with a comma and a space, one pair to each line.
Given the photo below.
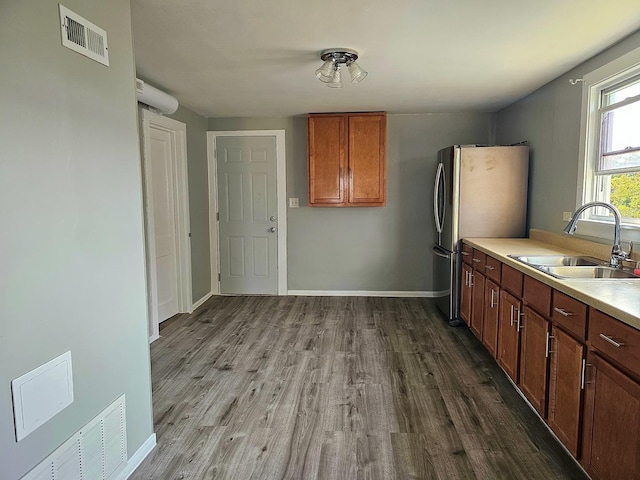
82, 36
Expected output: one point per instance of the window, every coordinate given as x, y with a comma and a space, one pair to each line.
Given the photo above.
617, 173
611, 142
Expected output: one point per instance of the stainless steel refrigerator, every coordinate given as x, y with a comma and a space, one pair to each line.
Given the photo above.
478, 192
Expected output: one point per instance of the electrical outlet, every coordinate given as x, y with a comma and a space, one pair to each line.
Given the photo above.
566, 216
294, 203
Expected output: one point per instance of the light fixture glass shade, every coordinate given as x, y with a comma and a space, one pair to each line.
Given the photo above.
336, 79
357, 73
325, 72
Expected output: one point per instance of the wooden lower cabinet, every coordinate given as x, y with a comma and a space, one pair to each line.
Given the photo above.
509, 334
534, 351
611, 440
491, 311
466, 293
565, 388
477, 304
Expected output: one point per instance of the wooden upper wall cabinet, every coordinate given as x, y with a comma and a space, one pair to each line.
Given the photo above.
347, 159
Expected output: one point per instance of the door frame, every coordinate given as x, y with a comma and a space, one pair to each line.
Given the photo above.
281, 197
178, 132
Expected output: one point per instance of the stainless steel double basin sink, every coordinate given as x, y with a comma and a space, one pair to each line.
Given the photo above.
574, 267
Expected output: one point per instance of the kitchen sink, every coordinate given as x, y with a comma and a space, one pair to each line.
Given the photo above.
573, 266
599, 271
557, 260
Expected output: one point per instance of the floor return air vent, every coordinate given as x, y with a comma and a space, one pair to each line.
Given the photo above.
98, 451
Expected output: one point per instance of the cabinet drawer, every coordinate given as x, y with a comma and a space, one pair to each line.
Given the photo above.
570, 314
467, 253
512, 280
619, 342
478, 260
492, 269
537, 295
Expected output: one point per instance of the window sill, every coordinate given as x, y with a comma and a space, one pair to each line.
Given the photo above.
603, 231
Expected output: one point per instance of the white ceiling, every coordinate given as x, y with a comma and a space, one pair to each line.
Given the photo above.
245, 58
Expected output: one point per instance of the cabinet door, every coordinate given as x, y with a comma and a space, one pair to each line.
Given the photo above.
491, 311
477, 307
508, 334
327, 160
612, 423
367, 159
565, 388
534, 351
466, 294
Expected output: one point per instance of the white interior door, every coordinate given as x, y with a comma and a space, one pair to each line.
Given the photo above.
167, 227
162, 166
248, 208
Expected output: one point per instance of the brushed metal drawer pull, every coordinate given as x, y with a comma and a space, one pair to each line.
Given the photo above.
611, 341
477, 260
489, 267
466, 254
562, 312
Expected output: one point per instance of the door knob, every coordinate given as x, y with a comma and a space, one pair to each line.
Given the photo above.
272, 218
272, 229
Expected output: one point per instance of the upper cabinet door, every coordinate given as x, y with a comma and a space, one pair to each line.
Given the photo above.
347, 159
327, 161
367, 159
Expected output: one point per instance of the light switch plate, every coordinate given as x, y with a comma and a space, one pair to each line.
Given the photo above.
566, 216
294, 203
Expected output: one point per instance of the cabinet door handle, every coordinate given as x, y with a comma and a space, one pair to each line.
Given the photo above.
519, 324
512, 315
611, 340
563, 312
493, 305
341, 172
548, 350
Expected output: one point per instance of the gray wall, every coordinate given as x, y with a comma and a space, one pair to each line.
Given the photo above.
198, 200
72, 258
369, 248
550, 119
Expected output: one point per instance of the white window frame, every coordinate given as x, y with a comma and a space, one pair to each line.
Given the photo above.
594, 83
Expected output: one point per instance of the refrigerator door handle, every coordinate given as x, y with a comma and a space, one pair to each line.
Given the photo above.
438, 193
442, 252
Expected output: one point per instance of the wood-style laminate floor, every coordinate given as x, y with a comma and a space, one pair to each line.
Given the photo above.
337, 388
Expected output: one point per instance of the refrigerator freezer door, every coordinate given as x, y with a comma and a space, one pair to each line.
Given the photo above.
493, 192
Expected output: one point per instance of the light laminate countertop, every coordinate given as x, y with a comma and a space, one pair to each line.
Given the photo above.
619, 298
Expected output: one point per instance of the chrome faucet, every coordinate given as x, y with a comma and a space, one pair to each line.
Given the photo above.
617, 254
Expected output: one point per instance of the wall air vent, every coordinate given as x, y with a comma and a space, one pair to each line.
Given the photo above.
98, 451
83, 37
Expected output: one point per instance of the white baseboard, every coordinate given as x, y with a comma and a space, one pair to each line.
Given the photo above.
201, 301
137, 458
366, 293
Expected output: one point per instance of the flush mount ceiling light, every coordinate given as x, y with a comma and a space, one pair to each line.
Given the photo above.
334, 59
